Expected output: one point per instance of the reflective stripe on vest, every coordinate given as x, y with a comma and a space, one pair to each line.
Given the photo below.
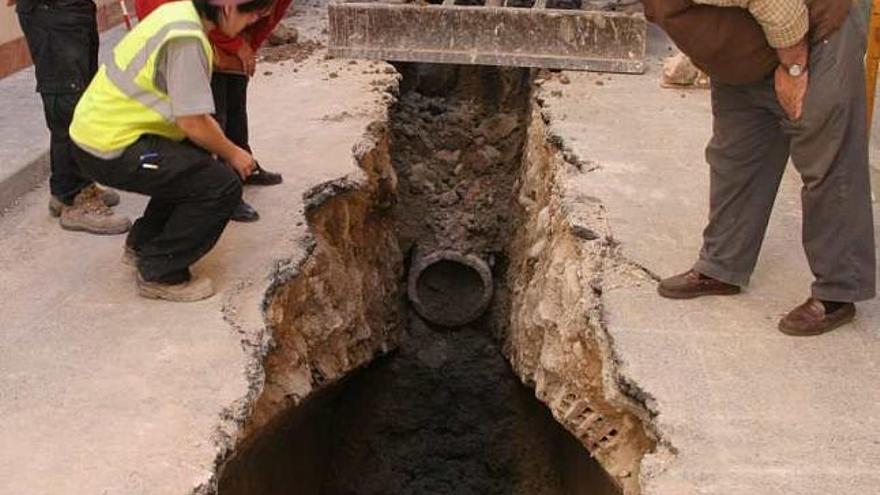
122, 102
125, 79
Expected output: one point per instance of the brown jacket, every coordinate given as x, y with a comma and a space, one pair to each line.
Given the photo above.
726, 42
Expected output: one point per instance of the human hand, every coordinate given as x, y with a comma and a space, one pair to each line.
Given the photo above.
242, 162
248, 58
790, 91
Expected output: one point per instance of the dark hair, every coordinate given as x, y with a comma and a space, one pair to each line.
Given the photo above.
212, 12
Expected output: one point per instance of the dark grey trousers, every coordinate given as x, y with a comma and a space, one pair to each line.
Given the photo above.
750, 147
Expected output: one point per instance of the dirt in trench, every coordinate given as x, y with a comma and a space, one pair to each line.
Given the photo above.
457, 143
444, 416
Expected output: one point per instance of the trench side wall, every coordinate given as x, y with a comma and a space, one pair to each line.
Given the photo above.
344, 306
554, 338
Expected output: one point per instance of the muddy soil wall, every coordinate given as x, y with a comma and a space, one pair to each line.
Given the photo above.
343, 307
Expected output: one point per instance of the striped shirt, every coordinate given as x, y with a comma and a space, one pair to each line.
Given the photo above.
784, 22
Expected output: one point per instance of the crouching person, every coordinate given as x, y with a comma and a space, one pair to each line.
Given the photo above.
144, 125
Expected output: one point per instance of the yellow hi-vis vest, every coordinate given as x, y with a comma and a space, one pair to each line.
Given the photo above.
122, 103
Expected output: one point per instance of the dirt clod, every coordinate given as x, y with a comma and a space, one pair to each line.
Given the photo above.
457, 150
282, 35
297, 52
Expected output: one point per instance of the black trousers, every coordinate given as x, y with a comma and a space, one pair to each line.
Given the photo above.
230, 106
62, 36
192, 196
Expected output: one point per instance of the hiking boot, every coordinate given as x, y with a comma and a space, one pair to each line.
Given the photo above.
195, 289
262, 177
691, 284
244, 213
130, 256
108, 196
810, 318
88, 213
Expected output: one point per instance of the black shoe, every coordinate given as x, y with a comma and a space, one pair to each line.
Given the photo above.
262, 177
245, 213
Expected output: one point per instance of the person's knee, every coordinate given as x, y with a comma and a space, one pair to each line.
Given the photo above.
216, 184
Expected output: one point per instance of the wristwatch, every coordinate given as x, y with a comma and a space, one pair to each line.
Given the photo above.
795, 70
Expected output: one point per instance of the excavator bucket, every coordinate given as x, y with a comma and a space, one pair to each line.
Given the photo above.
594, 35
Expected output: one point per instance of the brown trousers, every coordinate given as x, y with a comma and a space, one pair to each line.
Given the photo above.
750, 147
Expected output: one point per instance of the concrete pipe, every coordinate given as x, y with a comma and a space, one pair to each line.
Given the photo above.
450, 288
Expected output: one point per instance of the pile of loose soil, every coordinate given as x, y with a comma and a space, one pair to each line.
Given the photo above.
457, 142
444, 416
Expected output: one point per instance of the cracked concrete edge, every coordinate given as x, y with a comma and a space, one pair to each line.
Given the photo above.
245, 307
620, 388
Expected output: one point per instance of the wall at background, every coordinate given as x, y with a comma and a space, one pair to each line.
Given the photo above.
8, 23
13, 48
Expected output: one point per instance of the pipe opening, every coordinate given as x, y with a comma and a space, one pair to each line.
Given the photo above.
449, 288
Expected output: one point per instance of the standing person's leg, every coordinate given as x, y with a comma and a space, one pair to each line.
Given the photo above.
192, 197
58, 38
237, 129
220, 91
830, 151
747, 156
63, 41
236, 110
226, 93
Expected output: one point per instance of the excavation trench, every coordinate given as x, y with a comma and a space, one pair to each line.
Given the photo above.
410, 347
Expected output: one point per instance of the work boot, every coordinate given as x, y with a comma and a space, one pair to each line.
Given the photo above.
245, 213
194, 289
88, 213
810, 318
130, 256
691, 284
108, 196
263, 177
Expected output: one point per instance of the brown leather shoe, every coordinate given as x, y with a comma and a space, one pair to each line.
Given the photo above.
810, 319
691, 284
